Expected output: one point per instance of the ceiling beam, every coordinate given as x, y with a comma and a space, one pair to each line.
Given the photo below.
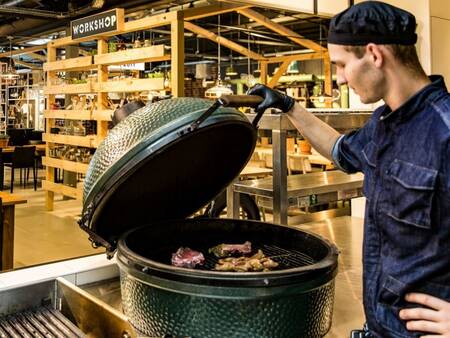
280, 29
26, 64
24, 51
274, 80
223, 41
212, 10
37, 56
298, 57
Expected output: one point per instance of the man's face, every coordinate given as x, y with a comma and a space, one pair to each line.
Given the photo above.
359, 73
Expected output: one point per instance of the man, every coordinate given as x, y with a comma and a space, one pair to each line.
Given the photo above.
403, 151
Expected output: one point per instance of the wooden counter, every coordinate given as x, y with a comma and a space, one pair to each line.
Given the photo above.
9, 202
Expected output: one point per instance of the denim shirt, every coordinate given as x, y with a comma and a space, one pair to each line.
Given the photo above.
405, 157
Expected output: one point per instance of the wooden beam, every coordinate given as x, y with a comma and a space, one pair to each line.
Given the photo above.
23, 51
280, 29
328, 81
298, 57
177, 55
274, 80
83, 52
135, 55
50, 172
223, 41
212, 10
26, 64
37, 56
263, 75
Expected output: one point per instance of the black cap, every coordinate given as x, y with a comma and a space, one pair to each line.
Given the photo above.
373, 21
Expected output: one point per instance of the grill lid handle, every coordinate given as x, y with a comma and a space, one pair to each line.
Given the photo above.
240, 100
229, 101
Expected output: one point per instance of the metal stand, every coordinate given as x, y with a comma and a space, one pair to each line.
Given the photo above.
280, 191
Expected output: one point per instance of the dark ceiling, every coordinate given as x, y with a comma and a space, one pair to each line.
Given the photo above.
26, 20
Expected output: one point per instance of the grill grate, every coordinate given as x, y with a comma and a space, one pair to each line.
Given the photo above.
42, 322
286, 258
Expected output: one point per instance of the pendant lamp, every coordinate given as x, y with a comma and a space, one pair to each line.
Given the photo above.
10, 73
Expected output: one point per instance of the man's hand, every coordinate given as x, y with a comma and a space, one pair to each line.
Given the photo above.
434, 319
272, 98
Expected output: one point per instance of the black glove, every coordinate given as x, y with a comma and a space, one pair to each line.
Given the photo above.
272, 98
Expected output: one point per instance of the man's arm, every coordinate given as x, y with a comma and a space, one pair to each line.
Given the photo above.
321, 135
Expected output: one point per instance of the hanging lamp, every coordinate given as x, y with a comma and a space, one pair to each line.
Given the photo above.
219, 89
10, 73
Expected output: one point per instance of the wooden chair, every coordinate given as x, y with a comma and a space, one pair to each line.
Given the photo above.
23, 158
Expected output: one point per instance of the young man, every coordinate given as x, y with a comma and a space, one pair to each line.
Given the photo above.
403, 151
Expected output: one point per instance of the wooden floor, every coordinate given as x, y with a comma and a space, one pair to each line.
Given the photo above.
42, 236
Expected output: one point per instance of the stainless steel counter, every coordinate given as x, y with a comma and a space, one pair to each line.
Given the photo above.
304, 185
301, 190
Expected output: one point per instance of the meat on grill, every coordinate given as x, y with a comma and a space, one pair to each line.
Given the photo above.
187, 258
257, 262
227, 250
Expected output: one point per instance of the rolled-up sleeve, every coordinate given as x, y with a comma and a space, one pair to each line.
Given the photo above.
347, 150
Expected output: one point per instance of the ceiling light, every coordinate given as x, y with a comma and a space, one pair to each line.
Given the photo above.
10, 73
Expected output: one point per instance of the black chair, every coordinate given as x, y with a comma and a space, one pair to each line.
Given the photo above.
23, 158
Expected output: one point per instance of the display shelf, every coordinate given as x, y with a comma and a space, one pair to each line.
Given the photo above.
100, 86
135, 55
80, 88
89, 141
63, 189
130, 85
99, 115
80, 63
76, 167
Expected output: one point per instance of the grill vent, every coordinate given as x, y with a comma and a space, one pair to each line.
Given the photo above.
42, 322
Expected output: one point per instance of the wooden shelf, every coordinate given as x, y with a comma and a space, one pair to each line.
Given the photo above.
80, 88
76, 167
68, 114
99, 115
63, 189
136, 55
79, 63
89, 141
102, 115
130, 85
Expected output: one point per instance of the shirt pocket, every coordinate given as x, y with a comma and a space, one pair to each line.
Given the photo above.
411, 193
369, 154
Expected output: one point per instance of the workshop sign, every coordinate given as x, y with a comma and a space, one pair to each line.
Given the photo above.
106, 22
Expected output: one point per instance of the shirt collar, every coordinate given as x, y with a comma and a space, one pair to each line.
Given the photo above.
416, 102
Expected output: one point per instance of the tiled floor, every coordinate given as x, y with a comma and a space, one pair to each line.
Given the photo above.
44, 236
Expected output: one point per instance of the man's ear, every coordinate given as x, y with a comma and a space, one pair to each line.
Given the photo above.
375, 54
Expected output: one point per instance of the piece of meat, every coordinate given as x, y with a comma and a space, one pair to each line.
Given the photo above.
187, 258
257, 262
227, 250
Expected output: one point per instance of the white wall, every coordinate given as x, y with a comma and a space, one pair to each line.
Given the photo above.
440, 38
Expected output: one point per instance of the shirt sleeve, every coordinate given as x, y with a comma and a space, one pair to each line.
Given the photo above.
347, 150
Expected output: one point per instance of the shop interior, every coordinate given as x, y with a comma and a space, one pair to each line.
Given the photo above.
59, 94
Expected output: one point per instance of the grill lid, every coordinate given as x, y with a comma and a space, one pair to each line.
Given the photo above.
151, 168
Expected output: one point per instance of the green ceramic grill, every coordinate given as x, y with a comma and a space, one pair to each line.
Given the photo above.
155, 169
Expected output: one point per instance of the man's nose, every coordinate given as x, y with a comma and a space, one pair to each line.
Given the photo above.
340, 77
341, 80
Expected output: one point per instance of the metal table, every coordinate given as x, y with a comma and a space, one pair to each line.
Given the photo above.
301, 190
340, 119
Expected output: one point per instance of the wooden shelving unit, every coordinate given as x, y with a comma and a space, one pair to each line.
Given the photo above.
100, 87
